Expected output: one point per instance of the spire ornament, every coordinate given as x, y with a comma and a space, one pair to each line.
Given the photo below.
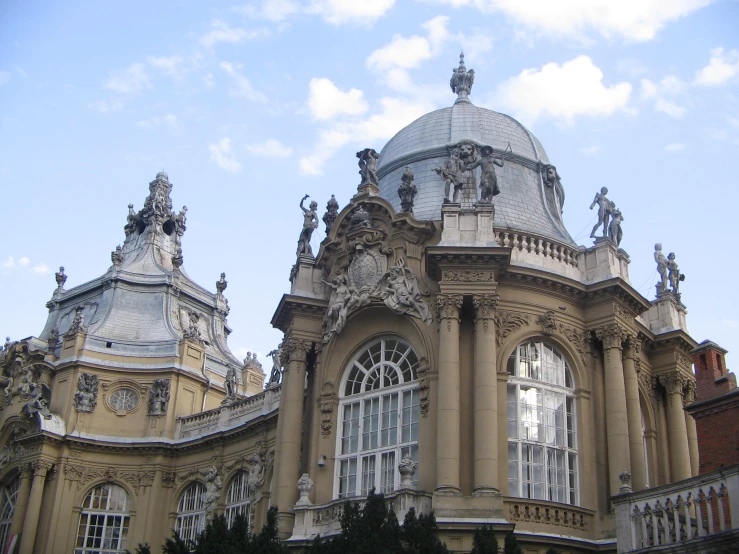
407, 191
462, 80
61, 278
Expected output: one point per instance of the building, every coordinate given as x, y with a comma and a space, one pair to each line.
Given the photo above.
453, 349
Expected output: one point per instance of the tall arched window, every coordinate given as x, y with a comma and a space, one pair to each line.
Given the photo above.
378, 414
237, 499
104, 521
542, 437
191, 512
8, 498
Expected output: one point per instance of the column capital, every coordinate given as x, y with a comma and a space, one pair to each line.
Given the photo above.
297, 349
611, 335
486, 306
40, 467
676, 383
448, 306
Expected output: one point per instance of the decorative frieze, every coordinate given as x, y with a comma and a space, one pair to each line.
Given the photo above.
81, 474
507, 323
467, 276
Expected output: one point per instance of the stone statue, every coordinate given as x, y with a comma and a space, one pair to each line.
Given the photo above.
615, 233
450, 172
61, 278
78, 323
407, 191
86, 397
231, 384
53, 339
257, 471
488, 179
310, 222
332, 210
603, 211
553, 182
117, 255
399, 290
338, 306
177, 259
276, 373
193, 330
659, 257
674, 274
407, 467
221, 284
159, 397
462, 80
212, 494
368, 166
361, 218
38, 403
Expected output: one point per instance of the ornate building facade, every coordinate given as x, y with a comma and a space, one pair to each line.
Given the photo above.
448, 345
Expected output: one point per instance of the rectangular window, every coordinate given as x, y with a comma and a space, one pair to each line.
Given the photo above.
370, 423
556, 475
554, 417
409, 423
532, 471
532, 413
389, 429
512, 412
348, 478
571, 443
368, 474
572, 475
350, 429
387, 472
513, 469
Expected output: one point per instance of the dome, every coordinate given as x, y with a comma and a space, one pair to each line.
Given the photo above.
525, 201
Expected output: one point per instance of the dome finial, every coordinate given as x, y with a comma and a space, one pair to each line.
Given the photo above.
462, 80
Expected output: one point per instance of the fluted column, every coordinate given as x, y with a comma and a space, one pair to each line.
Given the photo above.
28, 536
447, 413
617, 428
633, 410
689, 398
21, 501
676, 428
485, 397
291, 412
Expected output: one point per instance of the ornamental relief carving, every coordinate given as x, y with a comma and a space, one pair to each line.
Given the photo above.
326, 404
423, 375
547, 322
576, 337
507, 323
468, 276
612, 335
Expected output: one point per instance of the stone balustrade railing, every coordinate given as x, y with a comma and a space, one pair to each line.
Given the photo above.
703, 509
228, 416
537, 245
522, 510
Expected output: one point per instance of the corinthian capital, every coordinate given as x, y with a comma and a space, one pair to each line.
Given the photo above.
674, 382
40, 467
611, 335
449, 305
485, 306
297, 349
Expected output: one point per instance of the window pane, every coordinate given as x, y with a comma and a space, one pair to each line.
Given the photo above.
368, 474
512, 412
350, 429
348, 478
387, 472
409, 430
370, 423
389, 430
513, 469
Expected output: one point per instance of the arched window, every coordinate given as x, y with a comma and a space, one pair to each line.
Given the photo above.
104, 521
237, 499
542, 437
8, 498
378, 414
191, 512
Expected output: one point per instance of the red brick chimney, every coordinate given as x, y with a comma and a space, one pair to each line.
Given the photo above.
711, 376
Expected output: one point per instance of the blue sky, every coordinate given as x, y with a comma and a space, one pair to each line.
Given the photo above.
250, 106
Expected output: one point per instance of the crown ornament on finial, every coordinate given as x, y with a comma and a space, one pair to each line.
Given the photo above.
462, 80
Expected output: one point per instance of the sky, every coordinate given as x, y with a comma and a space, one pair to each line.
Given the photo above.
250, 106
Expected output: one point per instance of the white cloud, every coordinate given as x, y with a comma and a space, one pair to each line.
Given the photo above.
41, 268
668, 107
23, 262
4, 76
208, 80
407, 53
170, 66
105, 107
674, 147
9, 263
167, 120
669, 85
275, 11
270, 148
132, 80
563, 92
632, 20
722, 67
590, 150
220, 31
326, 100
242, 86
350, 11
220, 153
396, 113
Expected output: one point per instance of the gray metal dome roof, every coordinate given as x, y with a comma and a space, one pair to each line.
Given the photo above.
426, 143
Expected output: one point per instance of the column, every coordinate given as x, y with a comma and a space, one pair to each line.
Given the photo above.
633, 410
21, 502
291, 412
485, 400
676, 428
617, 428
30, 524
447, 413
689, 398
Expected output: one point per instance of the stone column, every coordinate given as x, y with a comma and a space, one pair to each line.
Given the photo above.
617, 428
291, 412
447, 413
676, 429
633, 409
485, 398
689, 398
21, 501
30, 525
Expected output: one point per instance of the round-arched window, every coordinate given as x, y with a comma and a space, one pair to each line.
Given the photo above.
104, 520
378, 418
237, 498
8, 498
191, 512
542, 436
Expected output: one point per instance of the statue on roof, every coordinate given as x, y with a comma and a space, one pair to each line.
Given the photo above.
615, 233
61, 278
674, 274
368, 166
310, 222
604, 206
451, 173
488, 178
555, 192
332, 211
462, 80
659, 257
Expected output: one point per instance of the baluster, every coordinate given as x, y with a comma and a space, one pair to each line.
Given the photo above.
516, 244
699, 512
538, 246
506, 242
720, 508
634, 521
709, 511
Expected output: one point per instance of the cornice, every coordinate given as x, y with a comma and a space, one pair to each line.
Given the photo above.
468, 257
291, 305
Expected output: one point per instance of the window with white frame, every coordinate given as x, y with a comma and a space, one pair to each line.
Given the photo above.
8, 498
237, 498
542, 436
191, 512
378, 418
104, 520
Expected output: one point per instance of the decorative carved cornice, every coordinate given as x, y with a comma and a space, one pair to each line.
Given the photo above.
448, 306
612, 336
507, 323
485, 307
467, 262
291, 305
